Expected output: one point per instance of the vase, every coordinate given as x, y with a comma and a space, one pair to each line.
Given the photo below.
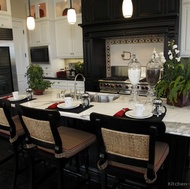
38, 91
181, 101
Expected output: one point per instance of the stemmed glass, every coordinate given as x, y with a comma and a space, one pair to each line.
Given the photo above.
152, 76
134, 74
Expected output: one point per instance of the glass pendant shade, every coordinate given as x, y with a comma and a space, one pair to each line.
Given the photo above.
127, 8
30, 23
71, 16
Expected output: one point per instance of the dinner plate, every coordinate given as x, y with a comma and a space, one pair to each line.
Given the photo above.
132, 114
20, 97
63, 106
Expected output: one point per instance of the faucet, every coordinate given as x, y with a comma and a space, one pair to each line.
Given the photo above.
75, 90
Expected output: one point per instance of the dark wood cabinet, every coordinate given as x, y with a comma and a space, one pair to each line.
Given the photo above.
95, 11
103, 19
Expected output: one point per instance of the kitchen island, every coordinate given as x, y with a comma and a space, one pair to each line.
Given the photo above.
177, 121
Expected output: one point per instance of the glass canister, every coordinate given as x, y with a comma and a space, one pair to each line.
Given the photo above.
152, 75
134, 74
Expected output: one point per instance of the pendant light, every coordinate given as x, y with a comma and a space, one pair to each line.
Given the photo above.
30, 19
71, 14
127, 8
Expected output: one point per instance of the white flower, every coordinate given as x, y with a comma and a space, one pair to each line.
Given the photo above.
174, 46
170, 56
176, 51
178, 59
161, 57
169, 52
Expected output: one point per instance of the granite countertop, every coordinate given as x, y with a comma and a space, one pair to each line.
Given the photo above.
177, 120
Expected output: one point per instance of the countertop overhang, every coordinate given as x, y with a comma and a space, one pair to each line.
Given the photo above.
177, 120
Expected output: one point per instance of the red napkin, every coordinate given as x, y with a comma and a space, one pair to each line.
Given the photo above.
6, 97
54, 105
120, 113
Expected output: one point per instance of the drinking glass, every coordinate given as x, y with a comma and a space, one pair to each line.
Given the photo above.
134, 74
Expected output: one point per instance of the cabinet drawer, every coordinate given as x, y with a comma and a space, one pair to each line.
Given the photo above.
79, 85
59, 84
5, 22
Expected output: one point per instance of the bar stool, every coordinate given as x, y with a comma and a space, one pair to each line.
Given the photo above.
11, 130
48, 140
129, 150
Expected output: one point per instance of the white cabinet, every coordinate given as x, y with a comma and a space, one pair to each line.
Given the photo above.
5, 14
42, 9
47, 70
61, 7
41, 34
5, 7
69, 39
185, 29
66, 84
79, 85
5, 21
59, 84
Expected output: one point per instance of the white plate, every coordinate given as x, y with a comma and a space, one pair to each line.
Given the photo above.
133, 115
20, 97
63, 106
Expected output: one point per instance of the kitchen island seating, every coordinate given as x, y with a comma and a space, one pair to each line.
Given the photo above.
11, 130
48, 140
129, 150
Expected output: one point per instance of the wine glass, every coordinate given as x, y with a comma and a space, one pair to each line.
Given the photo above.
134, 74
152, 76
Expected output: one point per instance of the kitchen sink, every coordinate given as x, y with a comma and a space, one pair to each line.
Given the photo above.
103, 97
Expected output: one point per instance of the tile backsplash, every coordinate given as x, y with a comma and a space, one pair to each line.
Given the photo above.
120, 50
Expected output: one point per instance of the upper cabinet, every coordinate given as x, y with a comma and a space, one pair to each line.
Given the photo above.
98, 11
41, 34
42, 9
185, 28
5, 8
5, 14
61, 7
69, 39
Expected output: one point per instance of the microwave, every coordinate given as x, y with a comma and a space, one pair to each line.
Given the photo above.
39, 55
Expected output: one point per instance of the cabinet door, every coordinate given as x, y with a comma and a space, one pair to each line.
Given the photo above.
63, 38
68, 39
40, 35
185, 29
5, 8
149, 7
38, 9
77, 39
96, 10
61, 7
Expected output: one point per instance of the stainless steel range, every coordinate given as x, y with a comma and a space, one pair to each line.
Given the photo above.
109, 85
120, 84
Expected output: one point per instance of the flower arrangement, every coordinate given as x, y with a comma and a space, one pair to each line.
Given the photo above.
176, 75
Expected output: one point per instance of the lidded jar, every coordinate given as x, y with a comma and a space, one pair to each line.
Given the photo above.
153, 71
134, 70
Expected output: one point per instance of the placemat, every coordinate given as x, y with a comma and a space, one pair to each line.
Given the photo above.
153, 118
77, 110
22, 101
